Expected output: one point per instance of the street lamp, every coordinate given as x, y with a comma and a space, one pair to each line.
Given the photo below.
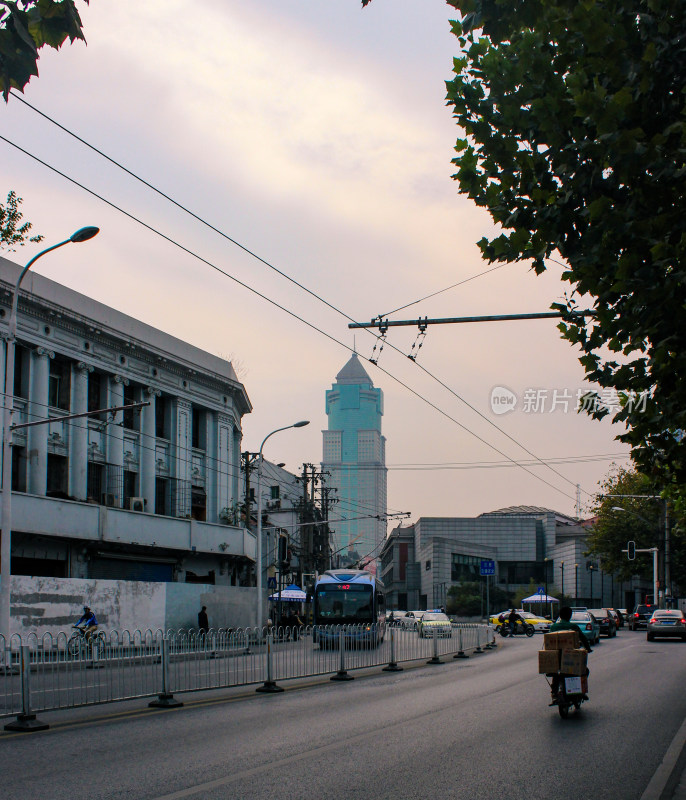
82, 235
562, 578
545, 567
652, 550
258, 554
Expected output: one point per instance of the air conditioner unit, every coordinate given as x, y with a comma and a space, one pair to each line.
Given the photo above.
272, 505
137, 503
109, 499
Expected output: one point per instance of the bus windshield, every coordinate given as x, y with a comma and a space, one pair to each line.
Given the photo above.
336, 604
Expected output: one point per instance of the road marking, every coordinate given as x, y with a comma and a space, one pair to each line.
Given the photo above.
667, 774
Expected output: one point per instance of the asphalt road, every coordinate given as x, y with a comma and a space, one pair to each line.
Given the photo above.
479, 728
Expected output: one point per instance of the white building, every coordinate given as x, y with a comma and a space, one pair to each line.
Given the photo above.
141, 495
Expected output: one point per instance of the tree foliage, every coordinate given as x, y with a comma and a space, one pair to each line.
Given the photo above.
642, 521
12, 233
468, 599
573, 114
575, 142
25, 27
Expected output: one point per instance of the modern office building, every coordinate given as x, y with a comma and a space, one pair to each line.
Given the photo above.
420, 562
146, 494
354, 455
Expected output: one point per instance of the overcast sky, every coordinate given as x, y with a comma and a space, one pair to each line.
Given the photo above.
315, 134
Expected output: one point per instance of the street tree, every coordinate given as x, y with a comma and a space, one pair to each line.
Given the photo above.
25, 27
13, 232
574, 140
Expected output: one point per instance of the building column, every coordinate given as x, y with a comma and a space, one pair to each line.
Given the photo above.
115, 440
147, 458
183, 456
37, 437
78, 432
222, 474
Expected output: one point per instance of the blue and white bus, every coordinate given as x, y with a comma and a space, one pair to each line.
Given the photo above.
353, 598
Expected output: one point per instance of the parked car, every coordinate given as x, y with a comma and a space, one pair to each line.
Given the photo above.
434, 621
588, 624
666, 622
641, 614
605, 620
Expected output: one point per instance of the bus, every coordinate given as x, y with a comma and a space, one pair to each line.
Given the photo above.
353, 598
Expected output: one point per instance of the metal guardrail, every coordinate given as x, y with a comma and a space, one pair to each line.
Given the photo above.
47, 673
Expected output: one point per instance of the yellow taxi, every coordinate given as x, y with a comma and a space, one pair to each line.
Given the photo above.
541, 624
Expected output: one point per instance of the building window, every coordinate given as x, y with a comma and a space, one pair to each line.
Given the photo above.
21, 373
199, 433
162, 418
274, 492
95, 488
162, 496
95, 393
427, 566
132, 416
18, 469
465, 568
130, 486
57, 484
59, 385
198, 504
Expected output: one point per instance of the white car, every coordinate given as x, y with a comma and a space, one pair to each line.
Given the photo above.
410, 620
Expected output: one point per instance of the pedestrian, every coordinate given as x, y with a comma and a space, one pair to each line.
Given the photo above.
203, 622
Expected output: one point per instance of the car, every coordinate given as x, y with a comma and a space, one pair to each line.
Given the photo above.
640, 616
393, 617
619, 619
606, 621
666, 622
434, 623
541, 624
410, 620
624, 614
588, 625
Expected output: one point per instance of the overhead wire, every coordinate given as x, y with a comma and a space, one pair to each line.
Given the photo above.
283, 308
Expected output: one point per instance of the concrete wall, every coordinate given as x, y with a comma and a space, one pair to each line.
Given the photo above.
50, 605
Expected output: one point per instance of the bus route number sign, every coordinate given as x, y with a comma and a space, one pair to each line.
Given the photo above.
487, 567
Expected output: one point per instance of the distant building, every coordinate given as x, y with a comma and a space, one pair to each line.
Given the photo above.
354, 454
141, 495
420, 562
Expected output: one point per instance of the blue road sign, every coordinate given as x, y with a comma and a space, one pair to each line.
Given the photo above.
487, 567
271, 583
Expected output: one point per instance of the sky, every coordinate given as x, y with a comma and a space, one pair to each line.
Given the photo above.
315, 135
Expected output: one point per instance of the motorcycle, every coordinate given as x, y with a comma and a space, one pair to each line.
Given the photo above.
522, 628
570, 694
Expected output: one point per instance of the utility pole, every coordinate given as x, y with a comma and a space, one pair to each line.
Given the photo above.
248, 464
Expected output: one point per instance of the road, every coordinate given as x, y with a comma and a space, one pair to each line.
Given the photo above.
479, 728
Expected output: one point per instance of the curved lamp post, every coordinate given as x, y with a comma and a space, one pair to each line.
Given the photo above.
82, 235
258, 553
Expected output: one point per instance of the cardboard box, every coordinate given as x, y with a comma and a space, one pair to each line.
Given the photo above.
548, 662
561, 640
573, 662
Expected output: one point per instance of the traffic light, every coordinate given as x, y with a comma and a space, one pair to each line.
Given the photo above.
631, 550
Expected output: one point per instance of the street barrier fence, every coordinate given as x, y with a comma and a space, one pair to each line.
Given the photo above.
49, 672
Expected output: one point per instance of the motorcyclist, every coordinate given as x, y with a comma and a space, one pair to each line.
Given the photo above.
564, 624
88, 621
512, 620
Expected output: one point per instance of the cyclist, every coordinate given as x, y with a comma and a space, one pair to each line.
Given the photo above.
90, 623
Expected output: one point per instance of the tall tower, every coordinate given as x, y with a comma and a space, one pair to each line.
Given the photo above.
354, 454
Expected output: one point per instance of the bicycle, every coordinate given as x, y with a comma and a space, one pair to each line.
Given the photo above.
82, 643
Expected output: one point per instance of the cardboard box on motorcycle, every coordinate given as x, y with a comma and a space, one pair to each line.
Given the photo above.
561, 640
